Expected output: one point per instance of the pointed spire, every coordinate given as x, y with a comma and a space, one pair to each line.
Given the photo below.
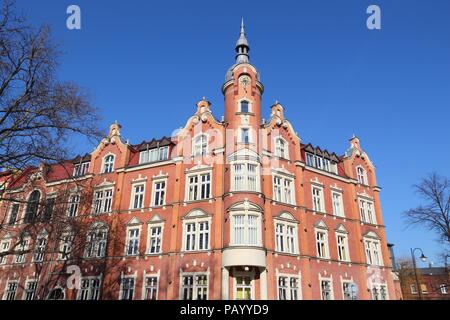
242, 47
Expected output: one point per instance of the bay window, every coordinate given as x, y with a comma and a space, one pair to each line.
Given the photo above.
246, 229
245, 177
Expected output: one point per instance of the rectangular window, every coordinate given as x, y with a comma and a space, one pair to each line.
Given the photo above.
286, 238
325, 288
65, 247
342, 245
81, 169
30, 290
199, 187
74, 201
138, 196
244, 106
283, 190
443, 288
155, 239
310, 160
200, 145
151, 288
197, 236
245, 135
194, 287
133, 242
128, 288
413, 289
48, 209
11, 290
350, 290
317, 199
154, 155
103, 201
90, 289
322, 244
279, 235
40, 246
366, 211
424, 289
13, 214
22, 248
4, 247
246, 229
159, 193
288, 288
244, 288
373, 254
245, 177
338, 209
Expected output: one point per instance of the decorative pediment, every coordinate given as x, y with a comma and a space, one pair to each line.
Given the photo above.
134, 221
245, 206
341, 228
155, 219
286, 216
372, 235
321, 225
196, 213
283, 171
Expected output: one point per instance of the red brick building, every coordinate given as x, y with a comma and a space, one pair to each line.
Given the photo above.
237, 208
434, 283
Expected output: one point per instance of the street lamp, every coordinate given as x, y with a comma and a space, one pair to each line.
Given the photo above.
423, 258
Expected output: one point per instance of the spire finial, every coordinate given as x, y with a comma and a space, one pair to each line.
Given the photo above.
242, 26
242, 47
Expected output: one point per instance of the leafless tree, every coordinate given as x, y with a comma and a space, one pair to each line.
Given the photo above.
38, 112
434, 214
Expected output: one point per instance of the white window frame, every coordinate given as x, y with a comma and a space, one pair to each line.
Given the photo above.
246, 227
250, 106
330, 280
103, 200
350, 283
240, 131
377, 287
150, 237
319, 198
140, 193
277, 148
5, 295
108, 166
10, 212
96, 243
200, 148
155, 288
288, 287
27, 290
64, 245
372, 249
197, 221
413, 289
122, 278
37, 246
24, 246
284, 236
127, 240
195, 285
338, 203
326, 245
162, 191
73, 205
281, 192
344, 245
245, 175
5, 245
443, 288
367, 210
198, 185
145, 155
361, 175
81, 169
91, 290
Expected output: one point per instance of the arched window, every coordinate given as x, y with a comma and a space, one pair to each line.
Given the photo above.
108, 164
200, 145
96, 241
32, 206
281, 148
362, 175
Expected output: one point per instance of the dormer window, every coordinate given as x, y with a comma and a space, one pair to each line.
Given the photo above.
80, 169
320, 162
154, 155
244, 106
108, 164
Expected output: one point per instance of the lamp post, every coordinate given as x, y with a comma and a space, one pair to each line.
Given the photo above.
423, 258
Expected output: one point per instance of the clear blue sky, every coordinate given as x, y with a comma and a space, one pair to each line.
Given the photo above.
333, 76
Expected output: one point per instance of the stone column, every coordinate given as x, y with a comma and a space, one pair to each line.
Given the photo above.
225, 282
263, 278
